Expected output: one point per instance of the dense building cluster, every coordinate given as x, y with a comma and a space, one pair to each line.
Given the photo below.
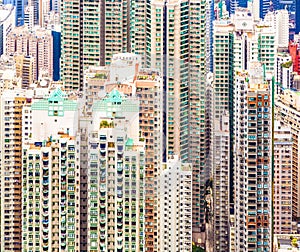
162, 125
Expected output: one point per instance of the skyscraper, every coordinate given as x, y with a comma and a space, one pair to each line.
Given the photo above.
231, 38
116, 177
283, 161
50, 194
71, 60
221, 159
29, 17
11, 103
24, 69
179, 50
138, 28
50, 178
91, 33
252, 161
279, 20
56, 35
234, 4
175, 199
37, 44
287, 110
126, 76
237, 43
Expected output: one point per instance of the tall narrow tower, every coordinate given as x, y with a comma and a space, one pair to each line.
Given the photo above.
253, 160
176, 44
11, 102
237, 44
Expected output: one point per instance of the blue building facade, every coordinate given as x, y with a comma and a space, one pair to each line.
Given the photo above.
231, 5
264, 7
297, 16
1, 40
56, 54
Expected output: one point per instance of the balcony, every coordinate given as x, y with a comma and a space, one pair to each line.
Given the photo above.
102, 221
102, 188
120, 168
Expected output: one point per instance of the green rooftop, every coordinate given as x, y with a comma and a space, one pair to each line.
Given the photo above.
114, 97
57, 95
116, 102
129, 142
56, 104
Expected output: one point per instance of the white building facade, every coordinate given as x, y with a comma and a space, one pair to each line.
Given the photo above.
175, 201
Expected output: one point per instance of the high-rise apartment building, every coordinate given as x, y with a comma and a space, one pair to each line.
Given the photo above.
147, 87
287, 111
29, 17
125, 75
50, 172
279, 20
24, 69
179, 50
91, 33
252, 160
282, 197
71, 60
7, 24
116, 176
175, 215
12, 102
283, 71
237, 43
50, 194
221, 158
138, 28
37, 44
116, 30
